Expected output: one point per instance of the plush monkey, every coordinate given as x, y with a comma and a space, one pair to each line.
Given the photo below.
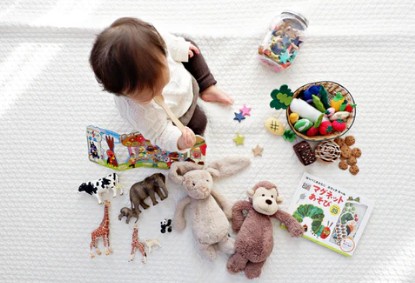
252, 220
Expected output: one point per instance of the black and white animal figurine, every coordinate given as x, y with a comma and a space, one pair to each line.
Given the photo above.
102, 185
165, 226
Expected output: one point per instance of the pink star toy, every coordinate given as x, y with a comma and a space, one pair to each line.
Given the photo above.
245, 111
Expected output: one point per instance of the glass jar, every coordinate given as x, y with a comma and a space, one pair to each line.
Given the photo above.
283, 40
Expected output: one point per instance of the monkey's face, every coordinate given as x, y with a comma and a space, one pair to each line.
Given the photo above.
265, 201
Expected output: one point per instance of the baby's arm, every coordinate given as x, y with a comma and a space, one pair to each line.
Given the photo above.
152, 123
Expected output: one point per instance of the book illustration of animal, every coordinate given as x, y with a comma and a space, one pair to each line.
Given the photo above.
149, 187
165, 226
137, 245
102, 185
93, 152
103, 231
112, 159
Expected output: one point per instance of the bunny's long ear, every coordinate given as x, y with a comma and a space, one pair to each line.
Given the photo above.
228, 166
178, 169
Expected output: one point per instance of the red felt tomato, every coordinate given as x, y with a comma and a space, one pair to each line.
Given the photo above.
312, 132
339, 125
349, 108
325, 128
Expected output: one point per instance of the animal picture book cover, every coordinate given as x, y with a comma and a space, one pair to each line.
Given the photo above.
128, 151
331, 216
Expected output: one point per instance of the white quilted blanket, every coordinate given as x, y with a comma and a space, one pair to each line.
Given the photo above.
49, 95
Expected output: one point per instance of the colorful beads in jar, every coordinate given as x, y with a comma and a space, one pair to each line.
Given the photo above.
283, 40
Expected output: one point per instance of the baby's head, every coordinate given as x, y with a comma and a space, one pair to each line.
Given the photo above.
129, 58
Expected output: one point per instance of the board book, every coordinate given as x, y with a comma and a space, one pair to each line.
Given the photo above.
128, 151
331, 216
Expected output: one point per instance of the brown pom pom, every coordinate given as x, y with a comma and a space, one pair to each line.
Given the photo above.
352, 160
339, 141
349, 140
345, 151
343, 165
354, 169
356, 152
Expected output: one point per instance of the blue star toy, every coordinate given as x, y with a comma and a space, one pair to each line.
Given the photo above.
239, 117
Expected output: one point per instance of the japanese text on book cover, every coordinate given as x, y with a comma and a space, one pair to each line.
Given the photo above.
330, 215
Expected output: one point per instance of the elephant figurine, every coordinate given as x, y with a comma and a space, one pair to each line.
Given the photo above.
149, 187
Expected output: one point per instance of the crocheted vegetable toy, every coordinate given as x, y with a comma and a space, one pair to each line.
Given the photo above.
209, 209
252, 220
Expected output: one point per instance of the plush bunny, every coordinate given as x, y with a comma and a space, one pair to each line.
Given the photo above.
209, 209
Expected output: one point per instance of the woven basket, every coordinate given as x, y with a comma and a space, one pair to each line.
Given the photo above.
332, 88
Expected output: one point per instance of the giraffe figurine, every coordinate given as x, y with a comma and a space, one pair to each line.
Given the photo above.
136, 244
102, 231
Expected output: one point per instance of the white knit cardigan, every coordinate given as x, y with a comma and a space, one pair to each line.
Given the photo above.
150, 119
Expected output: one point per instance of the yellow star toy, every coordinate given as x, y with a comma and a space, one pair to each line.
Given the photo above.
257, 151
239, 139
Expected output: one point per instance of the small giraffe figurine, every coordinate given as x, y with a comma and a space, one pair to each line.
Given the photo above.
102, 231
136, 244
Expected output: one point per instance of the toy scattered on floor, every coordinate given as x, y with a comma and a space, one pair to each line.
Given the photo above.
103, 231
210, 211
328, 151
282, 42
281, 98
305, 153
102, 185
136, 244
348, 155
243, 112
246, 111
149, 187
165, 226
239, 117
252, 220
239, 139
321, 206
151, 243
257, 151
130, 151
128, 213
289, 135
319, 111
274, 126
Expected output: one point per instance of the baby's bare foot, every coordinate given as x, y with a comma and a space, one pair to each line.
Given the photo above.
214, 94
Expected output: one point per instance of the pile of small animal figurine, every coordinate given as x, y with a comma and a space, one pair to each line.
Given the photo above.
149, 187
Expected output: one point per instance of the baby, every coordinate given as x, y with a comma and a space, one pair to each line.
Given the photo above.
132, 60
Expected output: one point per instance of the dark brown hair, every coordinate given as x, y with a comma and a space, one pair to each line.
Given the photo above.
126, 56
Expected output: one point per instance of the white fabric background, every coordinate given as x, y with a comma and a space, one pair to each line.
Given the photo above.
49, 95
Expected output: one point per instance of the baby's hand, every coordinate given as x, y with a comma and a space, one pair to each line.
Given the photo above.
193, 50
187, 139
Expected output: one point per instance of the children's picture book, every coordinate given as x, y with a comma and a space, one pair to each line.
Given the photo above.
128, 151
331, 216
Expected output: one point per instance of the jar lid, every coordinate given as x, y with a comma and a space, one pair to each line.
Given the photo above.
298, 16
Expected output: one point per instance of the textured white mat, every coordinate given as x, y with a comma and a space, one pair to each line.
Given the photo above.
49, 95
